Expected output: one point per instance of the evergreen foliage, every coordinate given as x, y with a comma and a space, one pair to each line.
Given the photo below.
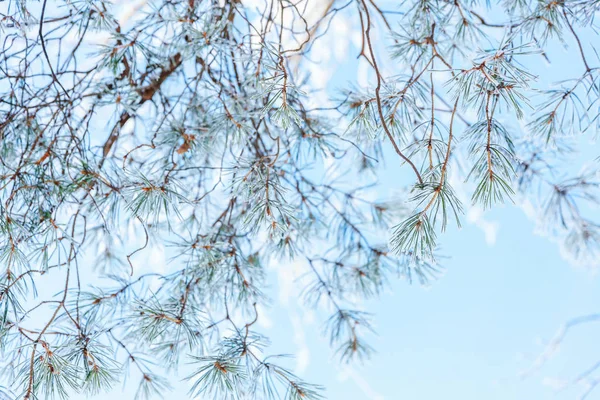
193, 124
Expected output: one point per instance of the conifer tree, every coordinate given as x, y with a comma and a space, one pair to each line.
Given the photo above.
194, 125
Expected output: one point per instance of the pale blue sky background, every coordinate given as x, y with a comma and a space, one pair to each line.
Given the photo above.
467, 337
470, 334
473, 333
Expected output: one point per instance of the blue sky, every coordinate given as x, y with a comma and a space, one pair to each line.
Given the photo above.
470, 334
475, 331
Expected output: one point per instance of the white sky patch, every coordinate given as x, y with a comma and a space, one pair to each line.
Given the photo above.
130, 10
360, 382
287, 273
319, 76
156, 261
356, 36
308, 317
489, 228
529, 209
341, 29
289, 298
362, 74
302, 353
555, 383
263, 320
